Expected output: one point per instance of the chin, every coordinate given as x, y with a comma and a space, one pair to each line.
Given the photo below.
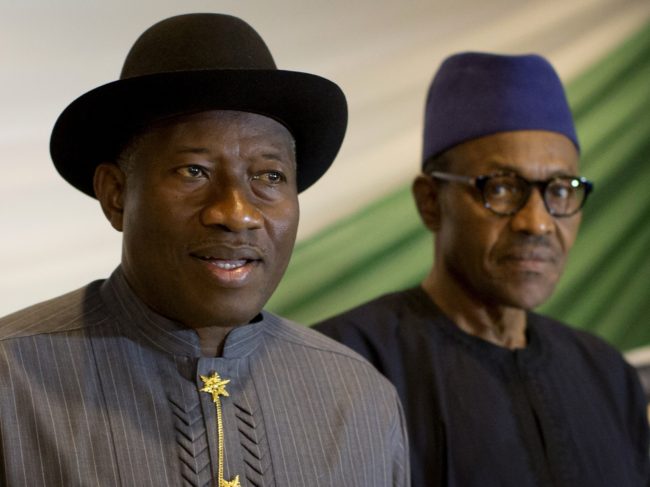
232, 313
529, 300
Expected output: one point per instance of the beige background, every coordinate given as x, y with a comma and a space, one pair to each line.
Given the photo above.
382, 53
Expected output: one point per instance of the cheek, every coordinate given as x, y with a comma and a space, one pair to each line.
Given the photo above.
480, 242
568, 231
282, 227
154, 219
471, 233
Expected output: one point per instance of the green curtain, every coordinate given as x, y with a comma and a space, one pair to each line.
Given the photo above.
606, 287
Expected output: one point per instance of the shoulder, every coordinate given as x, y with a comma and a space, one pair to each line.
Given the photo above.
309, 349
308, 339
380, 315
384, 329
565, 336
68, 312
583, 349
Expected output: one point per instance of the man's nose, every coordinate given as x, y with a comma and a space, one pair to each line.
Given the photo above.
533, 218
230, 207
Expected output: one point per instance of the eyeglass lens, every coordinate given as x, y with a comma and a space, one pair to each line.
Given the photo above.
507, 194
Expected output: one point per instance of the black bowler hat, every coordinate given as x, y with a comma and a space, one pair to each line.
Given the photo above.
191, 63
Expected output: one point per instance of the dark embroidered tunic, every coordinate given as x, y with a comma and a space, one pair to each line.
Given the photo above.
565, 411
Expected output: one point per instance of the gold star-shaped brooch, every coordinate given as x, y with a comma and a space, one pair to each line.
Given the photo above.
215, 385
230, 483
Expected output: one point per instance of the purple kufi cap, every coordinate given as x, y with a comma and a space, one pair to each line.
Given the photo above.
478, 94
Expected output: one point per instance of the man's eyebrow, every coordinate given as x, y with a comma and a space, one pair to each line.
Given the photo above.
267, 155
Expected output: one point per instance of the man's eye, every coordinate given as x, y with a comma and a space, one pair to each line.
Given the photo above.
192, 171
502, 189
560, 190
498, 189
270, 177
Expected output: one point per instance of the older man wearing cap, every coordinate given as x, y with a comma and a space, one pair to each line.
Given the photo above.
169, 372
494, 394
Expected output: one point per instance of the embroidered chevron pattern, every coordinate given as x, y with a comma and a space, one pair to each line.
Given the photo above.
255, 447
192, 442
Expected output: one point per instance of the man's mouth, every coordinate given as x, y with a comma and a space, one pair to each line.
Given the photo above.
538, 262
528, 257
535, 255
226, 264
229, 267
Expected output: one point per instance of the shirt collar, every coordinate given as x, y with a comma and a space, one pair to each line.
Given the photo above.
535, 350
141, 323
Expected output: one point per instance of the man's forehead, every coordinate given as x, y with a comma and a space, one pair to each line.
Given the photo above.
203, 132
199, 130
222, 117
525, 151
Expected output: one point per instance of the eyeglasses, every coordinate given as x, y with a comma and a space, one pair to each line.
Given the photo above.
507, 193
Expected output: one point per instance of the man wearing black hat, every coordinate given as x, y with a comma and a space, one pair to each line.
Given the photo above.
494, 394
169, 372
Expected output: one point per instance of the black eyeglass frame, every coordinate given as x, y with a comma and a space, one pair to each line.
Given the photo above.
479, 182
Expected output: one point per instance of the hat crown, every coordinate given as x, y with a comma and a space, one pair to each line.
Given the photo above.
195, 42
475, 94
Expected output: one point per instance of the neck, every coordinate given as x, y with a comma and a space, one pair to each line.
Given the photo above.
212, 339
501, 325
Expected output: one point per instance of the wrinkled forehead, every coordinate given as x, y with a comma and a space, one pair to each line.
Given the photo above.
224, 118
535, 154
210, 125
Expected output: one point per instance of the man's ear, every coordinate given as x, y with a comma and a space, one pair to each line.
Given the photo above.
425, 191
109, 184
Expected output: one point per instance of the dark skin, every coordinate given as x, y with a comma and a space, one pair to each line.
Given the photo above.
489, 269
209, 211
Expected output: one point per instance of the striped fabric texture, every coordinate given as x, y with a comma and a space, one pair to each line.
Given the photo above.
97, 390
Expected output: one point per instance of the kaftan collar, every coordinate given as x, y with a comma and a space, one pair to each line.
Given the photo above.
534, 354
141, 323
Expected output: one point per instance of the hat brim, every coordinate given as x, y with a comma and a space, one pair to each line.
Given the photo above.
95, 127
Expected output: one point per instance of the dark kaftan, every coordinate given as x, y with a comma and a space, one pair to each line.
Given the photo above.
566, 411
